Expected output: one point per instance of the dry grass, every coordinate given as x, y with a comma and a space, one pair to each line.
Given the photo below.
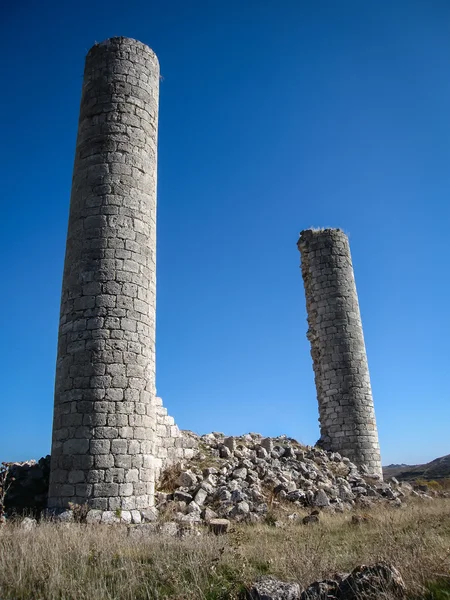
82, 562
168, 478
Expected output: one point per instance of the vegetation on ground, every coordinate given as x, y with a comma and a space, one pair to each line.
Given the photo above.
76, 561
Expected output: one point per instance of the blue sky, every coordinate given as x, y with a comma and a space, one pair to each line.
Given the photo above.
274, 117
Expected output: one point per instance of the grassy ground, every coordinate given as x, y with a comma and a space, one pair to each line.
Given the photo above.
99, 562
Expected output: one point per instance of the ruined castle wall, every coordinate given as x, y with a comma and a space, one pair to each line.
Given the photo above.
172, 445
346, 410
105, 428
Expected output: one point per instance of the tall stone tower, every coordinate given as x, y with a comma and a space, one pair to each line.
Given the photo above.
105, 437
346, 411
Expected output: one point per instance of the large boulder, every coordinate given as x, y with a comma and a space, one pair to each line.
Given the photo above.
380, 580
374, 582
269, 588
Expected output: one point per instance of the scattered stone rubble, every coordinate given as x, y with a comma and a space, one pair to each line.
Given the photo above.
373, 582
241, 478
244, 478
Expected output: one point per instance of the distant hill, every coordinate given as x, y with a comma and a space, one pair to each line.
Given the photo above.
439, 468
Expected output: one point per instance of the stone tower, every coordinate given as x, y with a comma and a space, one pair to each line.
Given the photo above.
110, 432
346, 411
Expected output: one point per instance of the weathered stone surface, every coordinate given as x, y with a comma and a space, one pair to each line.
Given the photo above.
315, 474
208, 515
200, 497
183, 496
242, 508
111, 434
380, 580
347, 417
321, 499
187, 479
28, 524
219, 526
321, 590
94, 517
269, 588
136, 517
239, 486
230, 443
125, 517
149, 514
193, 517
110, 517
240, 473
224, 452
65, 517
372, 582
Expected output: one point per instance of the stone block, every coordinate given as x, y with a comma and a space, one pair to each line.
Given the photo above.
100, 446
76, 446
105, 490
76, 477
103, 461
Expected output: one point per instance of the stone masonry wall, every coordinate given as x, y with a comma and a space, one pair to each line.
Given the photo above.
111, 434
109, 429
346, 411
172, 446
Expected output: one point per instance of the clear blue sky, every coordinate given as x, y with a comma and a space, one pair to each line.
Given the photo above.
275, 116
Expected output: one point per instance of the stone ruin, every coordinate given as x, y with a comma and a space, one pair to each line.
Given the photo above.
111, 433
347, 416
246, 478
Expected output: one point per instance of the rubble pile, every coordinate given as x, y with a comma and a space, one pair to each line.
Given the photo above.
243, 478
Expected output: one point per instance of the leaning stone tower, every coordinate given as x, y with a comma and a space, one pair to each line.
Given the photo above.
346, 411
110, 432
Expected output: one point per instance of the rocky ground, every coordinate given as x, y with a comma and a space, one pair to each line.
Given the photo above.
289, 544
247, 478
372, 582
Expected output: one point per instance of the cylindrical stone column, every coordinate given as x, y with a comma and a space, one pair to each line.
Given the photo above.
346, 411
105, 417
